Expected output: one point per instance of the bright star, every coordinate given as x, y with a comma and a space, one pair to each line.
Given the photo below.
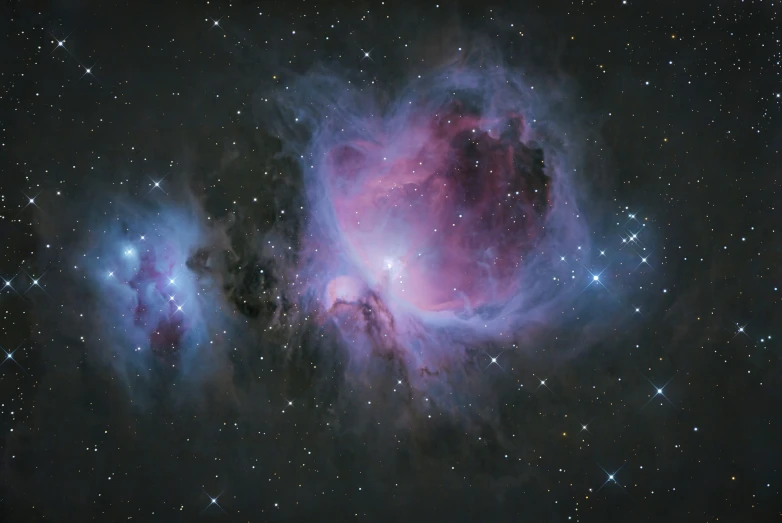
30, 200
10, 356
87, 70
611, 477
741, 329
157, 184
542, 382
213, 501
659, 391
493, 360
60, 43
366, 54
595, 278
8, 284
34, 282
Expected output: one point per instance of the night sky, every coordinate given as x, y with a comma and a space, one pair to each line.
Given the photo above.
384, 261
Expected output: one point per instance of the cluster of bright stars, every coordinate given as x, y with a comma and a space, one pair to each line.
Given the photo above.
171, 281
35, 282
61, 45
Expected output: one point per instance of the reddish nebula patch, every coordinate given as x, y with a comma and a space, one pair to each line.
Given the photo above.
158, 309
438, 215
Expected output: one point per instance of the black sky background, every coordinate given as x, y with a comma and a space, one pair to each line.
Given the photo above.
696, 150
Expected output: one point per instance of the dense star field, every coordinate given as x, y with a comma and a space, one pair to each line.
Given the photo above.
364, 261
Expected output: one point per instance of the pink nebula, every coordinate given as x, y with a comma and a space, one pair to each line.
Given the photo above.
439, 215
432, 220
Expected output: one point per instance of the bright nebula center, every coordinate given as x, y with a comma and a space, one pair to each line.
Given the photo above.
439, 215
433, 223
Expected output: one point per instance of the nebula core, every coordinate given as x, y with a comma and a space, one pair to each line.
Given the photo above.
443, 224
434, 215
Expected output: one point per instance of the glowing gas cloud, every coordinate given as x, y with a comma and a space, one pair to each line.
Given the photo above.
435, 212
156, 284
